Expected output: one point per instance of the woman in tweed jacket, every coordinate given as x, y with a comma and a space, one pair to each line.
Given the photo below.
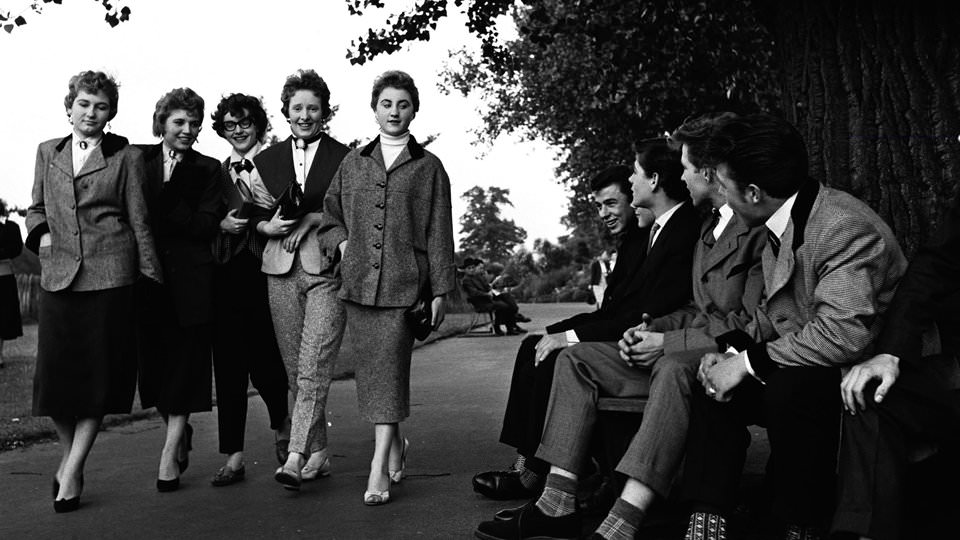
387, 215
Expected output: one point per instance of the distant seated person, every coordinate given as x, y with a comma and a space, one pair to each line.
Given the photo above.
600, 268
502, 283
482, 297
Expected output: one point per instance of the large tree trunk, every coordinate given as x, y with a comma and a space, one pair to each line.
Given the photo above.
874, 86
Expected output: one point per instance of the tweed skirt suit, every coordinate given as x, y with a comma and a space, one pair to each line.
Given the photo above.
398, 225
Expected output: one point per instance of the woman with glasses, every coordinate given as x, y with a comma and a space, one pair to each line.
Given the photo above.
88, 223
307, 316
184, 194
244, 345
387, 215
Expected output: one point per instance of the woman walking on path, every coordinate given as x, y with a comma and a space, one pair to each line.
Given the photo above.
184, 194
11, 244
88, 223
244, 345
387, 215
307, 316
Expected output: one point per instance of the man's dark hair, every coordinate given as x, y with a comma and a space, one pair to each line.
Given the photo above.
760, 149
617, 174
656, 157
695, 132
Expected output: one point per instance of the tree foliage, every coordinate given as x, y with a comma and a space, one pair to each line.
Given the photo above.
115, 14
872, 85
487, 234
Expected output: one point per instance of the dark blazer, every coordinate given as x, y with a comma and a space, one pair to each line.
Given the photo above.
97, 220
727, 287
475, 286
11, 243
399, 224
186, 217
928, 293
658, 285
827, 291
275, 165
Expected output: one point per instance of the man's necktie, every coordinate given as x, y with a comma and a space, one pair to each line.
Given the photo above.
653, 235
242, 165
774, 242
709, 238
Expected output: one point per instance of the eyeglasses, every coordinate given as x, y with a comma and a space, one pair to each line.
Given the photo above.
244, 124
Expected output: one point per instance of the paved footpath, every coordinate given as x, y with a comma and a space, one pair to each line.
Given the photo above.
459, 388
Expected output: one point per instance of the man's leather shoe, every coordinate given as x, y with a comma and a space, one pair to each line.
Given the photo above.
521, 318
496, 330
531, 523
501, 486
515, 330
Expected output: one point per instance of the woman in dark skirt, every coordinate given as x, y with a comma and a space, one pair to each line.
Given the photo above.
174, 334
88, 223
11, 244
387, 215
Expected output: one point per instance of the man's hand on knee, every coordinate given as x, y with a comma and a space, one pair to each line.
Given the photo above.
883, 367
548, 344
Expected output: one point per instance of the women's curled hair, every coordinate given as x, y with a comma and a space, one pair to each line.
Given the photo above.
395, 79
240, 105
176, 99
305, 79
93, 82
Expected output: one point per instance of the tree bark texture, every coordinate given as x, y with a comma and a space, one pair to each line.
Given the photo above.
874, 87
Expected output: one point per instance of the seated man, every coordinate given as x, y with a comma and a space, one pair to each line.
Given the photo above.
831, 268
654, 280
916, 399
482, 297
727, 287
501, 284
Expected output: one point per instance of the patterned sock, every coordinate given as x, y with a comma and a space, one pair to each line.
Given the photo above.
705, 526
799, 532
529, 479
622, 522
521, 464
559, 496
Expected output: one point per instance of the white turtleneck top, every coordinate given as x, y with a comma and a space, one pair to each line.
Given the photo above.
392, 146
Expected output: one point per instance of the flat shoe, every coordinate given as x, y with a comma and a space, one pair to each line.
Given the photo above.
290, 478
376, 498
397, 476
309, 473
227, 476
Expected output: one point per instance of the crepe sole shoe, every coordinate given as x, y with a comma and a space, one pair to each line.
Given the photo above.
290, 478
227, 476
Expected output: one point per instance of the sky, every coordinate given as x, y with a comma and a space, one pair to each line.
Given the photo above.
207, 46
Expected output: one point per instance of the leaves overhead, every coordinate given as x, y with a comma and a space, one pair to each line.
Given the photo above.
113, 16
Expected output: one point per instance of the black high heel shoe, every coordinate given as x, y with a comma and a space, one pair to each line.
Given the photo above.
188, 443
56, 487
166, 486
62, 506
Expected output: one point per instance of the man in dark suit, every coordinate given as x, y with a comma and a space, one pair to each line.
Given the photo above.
655, 284
916, 398
831, 267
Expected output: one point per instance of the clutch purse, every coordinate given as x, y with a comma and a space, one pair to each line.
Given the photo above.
290, 202
419, 315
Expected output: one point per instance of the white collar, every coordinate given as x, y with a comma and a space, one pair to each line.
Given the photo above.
234, 156
665, 217
725, 212
777, 223
310, 146
92, 142
166, 153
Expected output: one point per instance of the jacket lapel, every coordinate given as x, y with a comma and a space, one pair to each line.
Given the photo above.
95, 162
280, 171
808, 198
726, 245
64, 159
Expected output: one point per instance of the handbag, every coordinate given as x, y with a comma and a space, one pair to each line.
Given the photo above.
419, 316
290, 202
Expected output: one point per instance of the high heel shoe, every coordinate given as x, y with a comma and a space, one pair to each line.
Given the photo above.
166, 486
62, 506
376, 498
397, 476
56, 486
188, 444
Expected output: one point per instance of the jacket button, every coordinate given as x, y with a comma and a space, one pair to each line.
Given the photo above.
375, 265
72, 206
77, 258
378, 226
379, 205
76, 233
378, 245
381, 185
